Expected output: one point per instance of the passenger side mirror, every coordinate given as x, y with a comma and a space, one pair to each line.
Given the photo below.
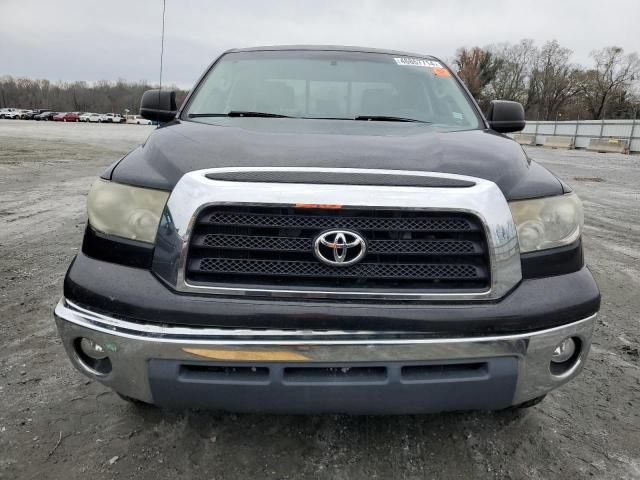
505, 116
158, 105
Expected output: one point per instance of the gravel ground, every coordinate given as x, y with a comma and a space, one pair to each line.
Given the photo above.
55, 423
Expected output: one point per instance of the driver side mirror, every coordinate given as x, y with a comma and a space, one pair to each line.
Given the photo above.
158, 105
505, 116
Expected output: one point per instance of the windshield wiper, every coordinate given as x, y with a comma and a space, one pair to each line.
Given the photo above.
239, 113
384, 118
242, 113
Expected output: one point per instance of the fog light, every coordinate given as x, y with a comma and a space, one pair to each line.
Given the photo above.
564, 351
92, 356
92, 349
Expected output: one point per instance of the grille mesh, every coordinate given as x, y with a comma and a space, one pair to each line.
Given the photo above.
306, 269
257, 243
273, 247
247, 242
358, 223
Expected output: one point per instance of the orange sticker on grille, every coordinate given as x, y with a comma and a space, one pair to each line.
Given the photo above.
318, 205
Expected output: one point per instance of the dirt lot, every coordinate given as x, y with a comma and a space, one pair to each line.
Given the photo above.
57, 424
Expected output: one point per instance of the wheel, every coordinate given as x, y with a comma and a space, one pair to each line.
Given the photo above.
64, 119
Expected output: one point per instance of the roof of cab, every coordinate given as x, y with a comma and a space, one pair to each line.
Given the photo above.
330, 48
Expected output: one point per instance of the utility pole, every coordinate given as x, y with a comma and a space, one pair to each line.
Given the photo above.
604, 111
555, 124
633, 127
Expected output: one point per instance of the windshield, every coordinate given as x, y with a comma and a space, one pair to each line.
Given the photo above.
333, 84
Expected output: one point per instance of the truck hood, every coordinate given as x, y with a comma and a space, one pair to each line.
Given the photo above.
184, 146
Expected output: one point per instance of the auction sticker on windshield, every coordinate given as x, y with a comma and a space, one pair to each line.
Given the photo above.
417, 62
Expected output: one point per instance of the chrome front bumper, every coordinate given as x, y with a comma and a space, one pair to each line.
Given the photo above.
131, 346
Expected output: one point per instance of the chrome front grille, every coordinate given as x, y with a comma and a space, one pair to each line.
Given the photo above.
407, 218
263, 246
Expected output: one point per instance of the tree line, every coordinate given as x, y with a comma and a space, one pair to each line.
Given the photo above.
102, 96
544, 79
549, 84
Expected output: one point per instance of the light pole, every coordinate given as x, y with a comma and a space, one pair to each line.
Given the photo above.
555, 125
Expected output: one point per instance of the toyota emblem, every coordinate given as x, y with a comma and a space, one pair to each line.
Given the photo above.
339, 248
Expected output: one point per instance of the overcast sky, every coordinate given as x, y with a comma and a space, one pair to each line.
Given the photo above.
99, 39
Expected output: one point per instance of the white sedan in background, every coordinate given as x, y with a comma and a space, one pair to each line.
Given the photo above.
138, 120
94, 118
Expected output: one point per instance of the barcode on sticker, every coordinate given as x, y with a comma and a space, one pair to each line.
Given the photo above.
417, 62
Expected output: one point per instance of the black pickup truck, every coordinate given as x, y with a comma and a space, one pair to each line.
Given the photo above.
330, 229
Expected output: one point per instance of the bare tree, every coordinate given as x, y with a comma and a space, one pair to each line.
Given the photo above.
613, 74
511, 79
553, 80
476, 67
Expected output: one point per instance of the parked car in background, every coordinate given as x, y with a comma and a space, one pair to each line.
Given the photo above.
67, 117
29, 114
112, 118
138, 120
10, 113
47, 115
91, 117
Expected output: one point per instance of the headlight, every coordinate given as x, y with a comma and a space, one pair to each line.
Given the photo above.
125, 211
547, 222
